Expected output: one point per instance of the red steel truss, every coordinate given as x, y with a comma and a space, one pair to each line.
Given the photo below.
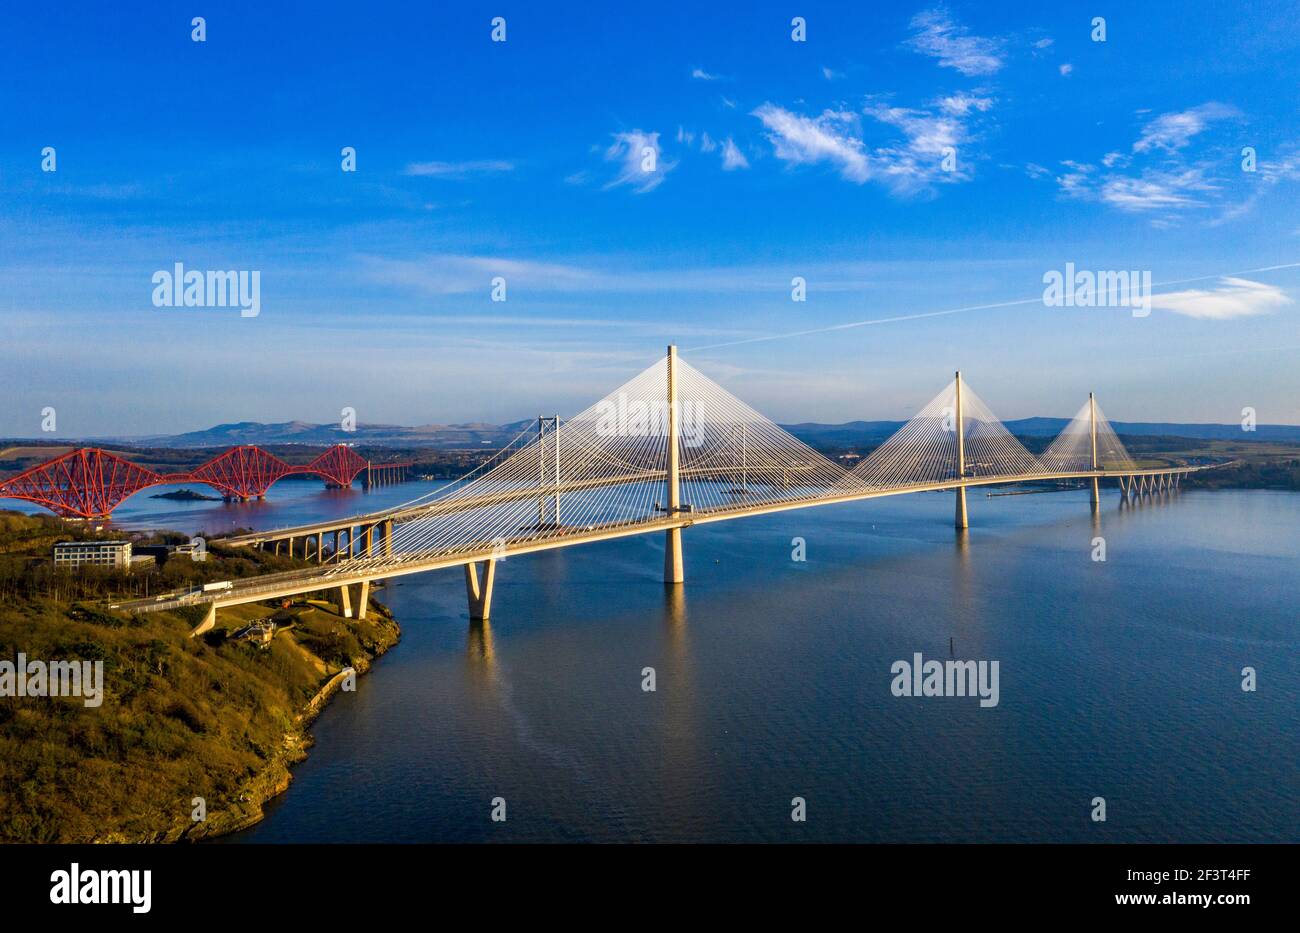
90, 483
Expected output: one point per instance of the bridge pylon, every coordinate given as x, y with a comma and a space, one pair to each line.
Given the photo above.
673, 568
1092, 430
962, 521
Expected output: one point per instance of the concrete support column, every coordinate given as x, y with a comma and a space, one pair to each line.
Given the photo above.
345, 601
368, 536
674, 571
1096, 492
291, 547
960, 518
388, 538
478, 589
363, 600
208, 623
336, 546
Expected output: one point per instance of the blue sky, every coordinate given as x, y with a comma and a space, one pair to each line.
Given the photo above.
774, 159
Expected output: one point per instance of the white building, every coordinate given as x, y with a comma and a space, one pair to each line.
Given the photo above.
93, 553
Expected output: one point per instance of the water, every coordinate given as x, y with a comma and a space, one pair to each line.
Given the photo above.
1119, 679
289, 502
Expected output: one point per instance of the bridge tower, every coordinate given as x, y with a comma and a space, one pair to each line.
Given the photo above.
543, 423
1092, 425
673, 571
961, 519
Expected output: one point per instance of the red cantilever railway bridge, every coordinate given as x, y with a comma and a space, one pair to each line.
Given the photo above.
90, 482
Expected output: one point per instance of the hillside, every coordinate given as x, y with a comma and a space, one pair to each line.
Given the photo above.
180, 717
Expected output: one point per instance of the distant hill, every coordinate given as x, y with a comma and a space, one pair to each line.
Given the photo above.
479, 435
864, 432
442, 436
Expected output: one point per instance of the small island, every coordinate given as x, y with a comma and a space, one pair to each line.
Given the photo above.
185, 495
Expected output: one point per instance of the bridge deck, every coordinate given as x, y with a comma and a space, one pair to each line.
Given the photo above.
359, 569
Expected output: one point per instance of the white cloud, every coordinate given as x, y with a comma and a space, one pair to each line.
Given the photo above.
730, 104
939, 36
830, 74
707, 143
1231, 299
732, 158
448, 274
1157, 178
961, 104
641, 163
1065, 70
451, 274
802, 140
699, 74
1173, 131
1042, 43
1155, 190
908, 166
1150, 190
926, 133
1267, 174
458, 169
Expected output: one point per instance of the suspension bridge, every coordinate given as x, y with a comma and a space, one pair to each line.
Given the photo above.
666, 450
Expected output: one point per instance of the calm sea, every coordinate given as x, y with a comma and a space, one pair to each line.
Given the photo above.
1119, 679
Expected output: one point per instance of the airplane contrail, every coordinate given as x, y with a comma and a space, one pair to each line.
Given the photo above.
985, 307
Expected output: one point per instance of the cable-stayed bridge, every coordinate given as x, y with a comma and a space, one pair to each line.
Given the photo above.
666, 450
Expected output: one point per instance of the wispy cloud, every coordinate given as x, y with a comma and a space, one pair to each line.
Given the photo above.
458, 169
1155, 178
801, 140
732, 158
1156, 190
910, 165
640, 161
1232, 298
939, 36
699, 74
457, 274
451, 274
1173, 131
1268, 173
1065, 70
100, 192
830, 74
960, 104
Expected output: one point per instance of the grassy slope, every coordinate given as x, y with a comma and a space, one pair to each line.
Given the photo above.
181, 717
